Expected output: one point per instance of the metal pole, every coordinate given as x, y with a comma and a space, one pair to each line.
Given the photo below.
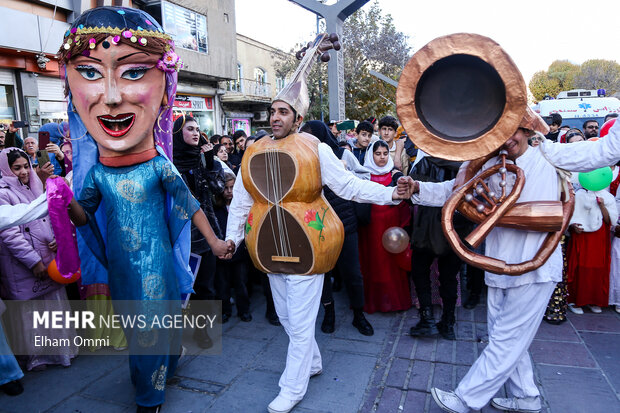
318, 18
334, 16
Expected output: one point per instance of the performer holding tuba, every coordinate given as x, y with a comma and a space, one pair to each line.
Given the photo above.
289, 227
516, 304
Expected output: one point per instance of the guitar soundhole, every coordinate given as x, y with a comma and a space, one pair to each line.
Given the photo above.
273, 173
289, 242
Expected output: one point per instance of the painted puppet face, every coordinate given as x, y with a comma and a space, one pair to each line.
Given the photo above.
117, 92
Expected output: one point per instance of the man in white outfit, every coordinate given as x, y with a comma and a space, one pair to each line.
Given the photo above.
516, 304
297, 297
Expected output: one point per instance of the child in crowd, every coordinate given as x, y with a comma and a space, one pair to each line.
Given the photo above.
386, 285
364, 136
388, 127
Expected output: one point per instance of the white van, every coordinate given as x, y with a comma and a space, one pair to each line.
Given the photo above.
577, 106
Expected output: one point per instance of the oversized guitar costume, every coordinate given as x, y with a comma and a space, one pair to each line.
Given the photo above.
290, 230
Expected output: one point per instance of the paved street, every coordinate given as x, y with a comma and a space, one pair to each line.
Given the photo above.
577, 366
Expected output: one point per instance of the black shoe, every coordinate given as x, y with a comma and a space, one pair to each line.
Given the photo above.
12, 388
426, 327
328, 325
272, 318
472, 301
247, 317
225, 318
446, 325
148, 409
446, 330
201, 337
362, 325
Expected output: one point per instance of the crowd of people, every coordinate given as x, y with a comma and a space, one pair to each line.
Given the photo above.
374, 279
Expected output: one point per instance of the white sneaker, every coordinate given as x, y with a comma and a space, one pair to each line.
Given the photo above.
575, 309
515, 404
449, 401
617, 307
281, 405
595, 309
316, 373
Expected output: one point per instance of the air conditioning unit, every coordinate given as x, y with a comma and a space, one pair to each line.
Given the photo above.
262, 116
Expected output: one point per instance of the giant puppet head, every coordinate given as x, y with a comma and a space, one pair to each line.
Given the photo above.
121, 73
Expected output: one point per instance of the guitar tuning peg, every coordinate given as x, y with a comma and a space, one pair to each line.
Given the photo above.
325, 57
333, 37
337, 45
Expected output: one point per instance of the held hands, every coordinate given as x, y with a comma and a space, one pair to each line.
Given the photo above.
405, 188
53, 246
230, 245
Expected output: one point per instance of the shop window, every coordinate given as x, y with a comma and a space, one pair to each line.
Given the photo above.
7, 102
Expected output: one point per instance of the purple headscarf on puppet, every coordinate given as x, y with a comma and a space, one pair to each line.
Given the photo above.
138, 29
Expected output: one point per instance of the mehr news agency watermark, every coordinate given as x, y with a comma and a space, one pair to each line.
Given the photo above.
150, 327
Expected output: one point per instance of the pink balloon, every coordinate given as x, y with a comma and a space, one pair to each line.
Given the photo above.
395, 240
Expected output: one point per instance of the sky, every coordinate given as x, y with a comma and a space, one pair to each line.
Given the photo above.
534, 33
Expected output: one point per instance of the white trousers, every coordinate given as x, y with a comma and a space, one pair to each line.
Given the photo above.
297, 299
513, 317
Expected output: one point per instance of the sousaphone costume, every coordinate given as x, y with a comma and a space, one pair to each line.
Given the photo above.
461, 97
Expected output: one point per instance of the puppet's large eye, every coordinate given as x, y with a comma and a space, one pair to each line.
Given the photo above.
88, 72
134, 73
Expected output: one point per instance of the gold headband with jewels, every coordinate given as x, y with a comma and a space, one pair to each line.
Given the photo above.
135, 36
80, 40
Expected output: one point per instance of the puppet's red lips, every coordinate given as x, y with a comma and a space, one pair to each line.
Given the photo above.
118, 125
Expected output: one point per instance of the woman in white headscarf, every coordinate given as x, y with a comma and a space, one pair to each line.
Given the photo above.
386, 286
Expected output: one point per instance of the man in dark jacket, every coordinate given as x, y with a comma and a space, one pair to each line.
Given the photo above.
428, 242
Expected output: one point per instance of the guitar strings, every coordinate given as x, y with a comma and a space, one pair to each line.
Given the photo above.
269, 204
285, 238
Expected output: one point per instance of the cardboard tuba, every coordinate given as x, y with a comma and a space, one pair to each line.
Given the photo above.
461, 97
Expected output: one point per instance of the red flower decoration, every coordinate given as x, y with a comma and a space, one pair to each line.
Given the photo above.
310, 216
250, 218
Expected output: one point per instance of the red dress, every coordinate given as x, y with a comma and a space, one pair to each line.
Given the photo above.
589, 259
386, 285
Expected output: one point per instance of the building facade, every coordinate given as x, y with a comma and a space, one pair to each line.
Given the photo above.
248, 96
31, 88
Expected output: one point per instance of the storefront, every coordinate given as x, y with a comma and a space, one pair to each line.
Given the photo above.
200, 108
239, 120
52, 103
